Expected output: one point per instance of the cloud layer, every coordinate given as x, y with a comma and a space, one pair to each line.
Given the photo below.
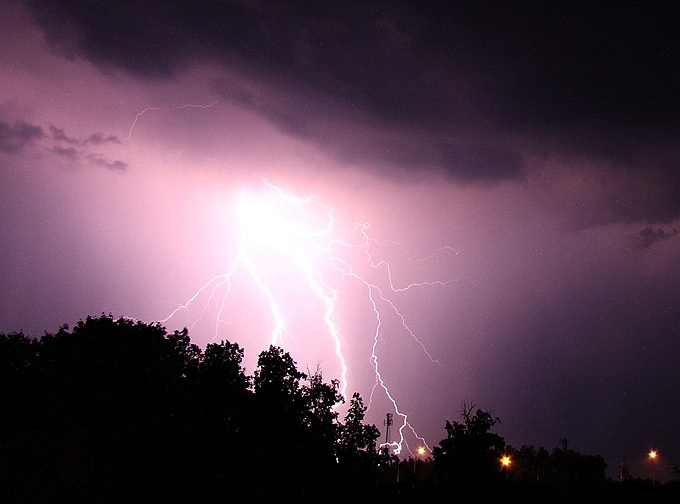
471, 92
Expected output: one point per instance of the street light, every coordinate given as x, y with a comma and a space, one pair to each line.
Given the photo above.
506, 461
419, 452
653, 456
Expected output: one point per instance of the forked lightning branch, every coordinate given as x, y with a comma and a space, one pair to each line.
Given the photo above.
299, 232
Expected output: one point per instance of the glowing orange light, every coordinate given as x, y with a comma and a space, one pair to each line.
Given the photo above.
421, 451
653, 454
506, 461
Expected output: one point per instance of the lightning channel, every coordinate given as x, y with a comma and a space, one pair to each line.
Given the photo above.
178, 107
277, 227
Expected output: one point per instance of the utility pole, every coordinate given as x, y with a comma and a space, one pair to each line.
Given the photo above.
387, 423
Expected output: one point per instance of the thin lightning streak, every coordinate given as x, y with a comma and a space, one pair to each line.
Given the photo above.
396, 446
379, 381
264, 226
365, 245
147, 109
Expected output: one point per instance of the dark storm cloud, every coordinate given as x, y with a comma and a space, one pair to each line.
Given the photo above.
101, 138
67, 152
467, 88
105, 163
73, 154
402, 60
98, 138
320, 118
59, 135
649, 236
14, 137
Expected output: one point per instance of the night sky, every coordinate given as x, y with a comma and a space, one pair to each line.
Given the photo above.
521, 159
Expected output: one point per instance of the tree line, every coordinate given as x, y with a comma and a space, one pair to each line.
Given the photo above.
121, 411
115, 410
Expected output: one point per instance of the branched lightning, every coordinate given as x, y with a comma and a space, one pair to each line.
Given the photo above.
275, 226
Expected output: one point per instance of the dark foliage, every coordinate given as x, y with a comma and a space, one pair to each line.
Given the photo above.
567, 473
469, 455
356, 449
121, 411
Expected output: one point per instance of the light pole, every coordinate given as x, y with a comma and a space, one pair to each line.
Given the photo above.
506, 461
653, 456
419, 452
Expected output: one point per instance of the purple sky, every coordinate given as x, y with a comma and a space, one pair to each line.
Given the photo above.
539, 144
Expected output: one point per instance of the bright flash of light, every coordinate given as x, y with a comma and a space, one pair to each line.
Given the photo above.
506, 461
277, 229
653, 454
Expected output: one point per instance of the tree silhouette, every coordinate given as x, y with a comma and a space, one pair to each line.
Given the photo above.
356, 448
17, 379
115, 410
296, 426
276, 375
469, 455
107, 410
220, 414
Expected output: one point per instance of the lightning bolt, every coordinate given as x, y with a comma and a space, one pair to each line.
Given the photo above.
179, 107
278, 228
